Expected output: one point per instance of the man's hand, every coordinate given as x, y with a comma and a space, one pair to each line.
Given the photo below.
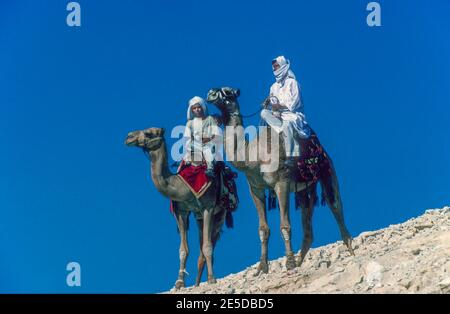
278, 107
207, 139
266, 103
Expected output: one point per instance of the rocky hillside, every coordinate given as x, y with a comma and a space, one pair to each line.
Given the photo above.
412, 257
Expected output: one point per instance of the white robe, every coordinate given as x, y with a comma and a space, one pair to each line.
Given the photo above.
197, 129
289, 95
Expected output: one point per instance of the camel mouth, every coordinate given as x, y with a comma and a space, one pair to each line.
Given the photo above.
131, 142
132, 138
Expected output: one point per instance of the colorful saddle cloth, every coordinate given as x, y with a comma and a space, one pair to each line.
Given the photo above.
197, 181
313, 163
195, 178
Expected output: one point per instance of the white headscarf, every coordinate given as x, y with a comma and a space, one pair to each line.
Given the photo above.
284, 71
196, 101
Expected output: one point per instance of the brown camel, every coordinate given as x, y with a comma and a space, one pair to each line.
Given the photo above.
280, 181
209, 216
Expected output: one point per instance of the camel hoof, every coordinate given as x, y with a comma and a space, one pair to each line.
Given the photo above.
290, 262
212, 280
263, 267
352, 253
179, 284
348, 243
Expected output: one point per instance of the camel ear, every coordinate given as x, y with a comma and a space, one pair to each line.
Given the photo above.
237, 92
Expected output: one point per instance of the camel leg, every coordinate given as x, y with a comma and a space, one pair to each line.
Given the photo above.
201, 258
282, 190
182, 222
207, 247
307, 213
259, 199
337, 209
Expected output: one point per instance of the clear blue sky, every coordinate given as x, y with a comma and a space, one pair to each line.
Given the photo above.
379, 99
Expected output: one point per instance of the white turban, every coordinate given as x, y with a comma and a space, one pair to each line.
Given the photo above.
196, 101
284, 71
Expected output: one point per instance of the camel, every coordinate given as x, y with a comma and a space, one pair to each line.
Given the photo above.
210, 217
280, 181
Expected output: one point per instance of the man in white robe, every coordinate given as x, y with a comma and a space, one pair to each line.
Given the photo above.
287, 108
202, 134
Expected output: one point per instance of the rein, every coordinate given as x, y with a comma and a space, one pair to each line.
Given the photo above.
246, 116
253, 114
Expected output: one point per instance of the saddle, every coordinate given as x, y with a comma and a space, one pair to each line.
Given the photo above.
194, 176
227, 196
312, 166
313, 163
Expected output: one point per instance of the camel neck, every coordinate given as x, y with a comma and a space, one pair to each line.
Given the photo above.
233, 120
160, 172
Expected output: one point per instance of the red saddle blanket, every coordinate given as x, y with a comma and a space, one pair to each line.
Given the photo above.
195, 178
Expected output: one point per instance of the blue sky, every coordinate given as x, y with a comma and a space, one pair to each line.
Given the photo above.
379, 99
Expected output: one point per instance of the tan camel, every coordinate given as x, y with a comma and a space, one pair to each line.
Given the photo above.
280, 180
209, 217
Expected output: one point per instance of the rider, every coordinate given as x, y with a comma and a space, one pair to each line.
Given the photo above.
287, 108
201, 130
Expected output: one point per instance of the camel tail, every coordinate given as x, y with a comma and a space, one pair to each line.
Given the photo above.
327, 191
330, 186
187, 224
219, 219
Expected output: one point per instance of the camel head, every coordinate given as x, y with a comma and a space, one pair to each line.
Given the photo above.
225, 99
149, 139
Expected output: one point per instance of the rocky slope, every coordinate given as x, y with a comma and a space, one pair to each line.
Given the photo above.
412, 257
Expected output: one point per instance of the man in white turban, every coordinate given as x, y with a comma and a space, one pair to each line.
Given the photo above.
287, 108
202, 132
